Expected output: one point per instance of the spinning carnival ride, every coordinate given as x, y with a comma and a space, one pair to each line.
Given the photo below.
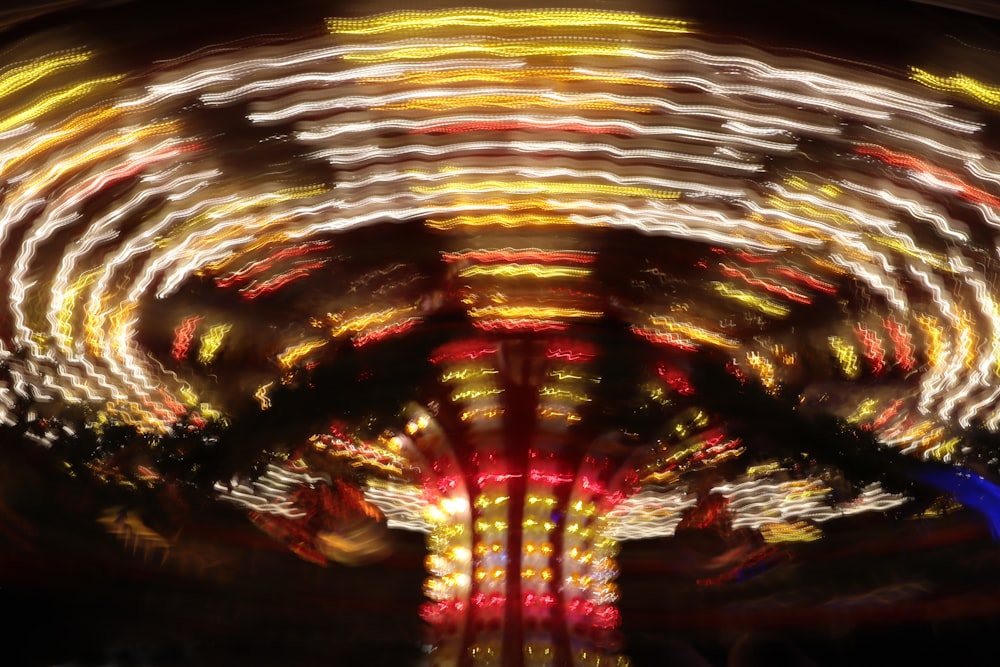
532, 283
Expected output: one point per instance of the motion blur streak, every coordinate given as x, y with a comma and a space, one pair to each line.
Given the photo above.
531, 283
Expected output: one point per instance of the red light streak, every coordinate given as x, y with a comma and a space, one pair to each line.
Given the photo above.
964, 190
753, 259
484, 601
252, 269
902, 344
463, 351
874, 350
773, 288
675, 379
886, 415
571, 351
484, 478
437, 613
176, 407
671, 339
519, 324
544, 601
183, 336
806, 279
128, 170
381, 333
548, 478
273, 285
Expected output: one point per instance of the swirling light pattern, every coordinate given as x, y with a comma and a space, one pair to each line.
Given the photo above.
475, 181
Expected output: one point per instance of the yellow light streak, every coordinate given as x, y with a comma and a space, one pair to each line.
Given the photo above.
500, 219
513, 101
517, 19
557, 393
959, 83
523, 271
935, 338
865, 411
755, 301
481, 414
211, 342
695, 333
484, 75
968, 340
53, 100
800, 531
551, 413
64, 326
764, 370
532, 312
467, 374
108, 146
543, 187
938, 261
475, 394
232, 209
66, 132
846, 357
296, 352
362, 322
261, 395
22, 76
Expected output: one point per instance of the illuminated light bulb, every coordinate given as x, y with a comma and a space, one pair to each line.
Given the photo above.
454, 505
459, 554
